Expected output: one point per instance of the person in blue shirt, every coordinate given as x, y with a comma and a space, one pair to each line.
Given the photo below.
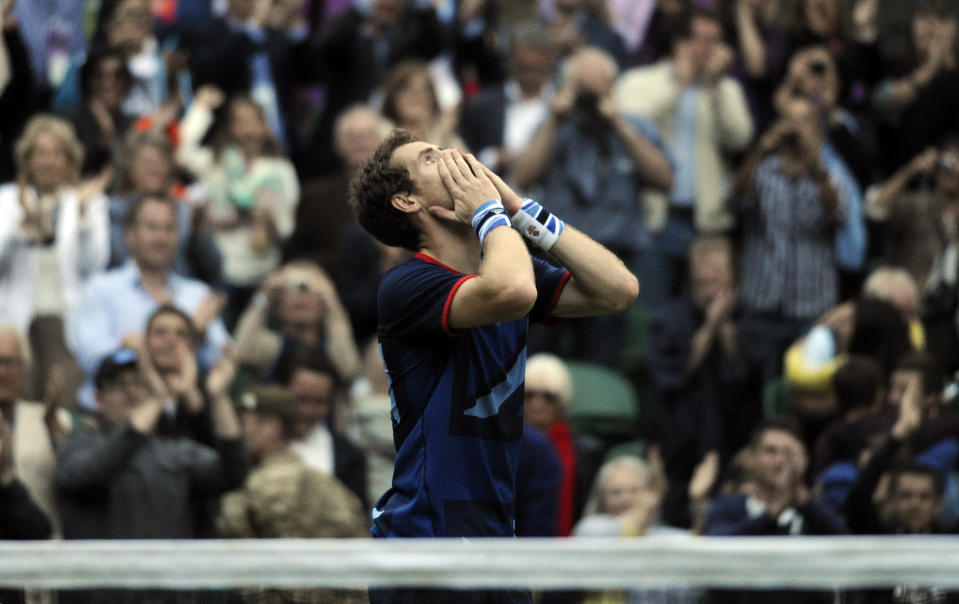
452, 334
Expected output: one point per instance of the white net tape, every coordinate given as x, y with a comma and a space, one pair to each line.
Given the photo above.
536, 563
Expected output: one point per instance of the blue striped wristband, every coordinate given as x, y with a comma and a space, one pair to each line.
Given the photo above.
488, 216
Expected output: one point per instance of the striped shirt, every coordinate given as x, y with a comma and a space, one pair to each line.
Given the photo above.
789, 258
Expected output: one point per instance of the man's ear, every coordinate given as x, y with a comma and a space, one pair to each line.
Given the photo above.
404, 202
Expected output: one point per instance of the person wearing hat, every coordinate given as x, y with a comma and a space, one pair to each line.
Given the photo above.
284, 497
123, 479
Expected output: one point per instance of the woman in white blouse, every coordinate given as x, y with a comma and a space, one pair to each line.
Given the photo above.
54, 235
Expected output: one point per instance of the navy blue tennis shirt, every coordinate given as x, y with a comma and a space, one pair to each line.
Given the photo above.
457, 404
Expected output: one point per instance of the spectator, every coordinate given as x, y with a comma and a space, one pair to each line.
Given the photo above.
170, 342
285, 498
781, 504
127, 480
248, 53
500, 121
52, 32
626, 501
763, 52
702, 114
549, 395
915, 492
593, 162
916, 102
53, 237
316, 388
253, 190
323, 215
35, 428
410, 102
474, 27
852, 42
20, 516
114, 306
298, 308
129, 27
860, 389
920, 232
358, 48
705, 365
813, 75
790, 206
665, 20
370, 428
327, 231
577, 23
539, 478
105, 82
882, 324
20, 97
933, 443
916, 209
146, 168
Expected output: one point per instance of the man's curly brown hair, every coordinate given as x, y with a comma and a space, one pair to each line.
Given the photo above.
372, 190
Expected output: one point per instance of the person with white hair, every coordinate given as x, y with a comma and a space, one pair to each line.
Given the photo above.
593, 163
323, 216
549, 394
54, 236
626, 501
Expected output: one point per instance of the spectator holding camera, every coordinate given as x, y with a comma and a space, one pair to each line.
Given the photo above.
593, 162
702, 114
790, 206
297, 307
813, 74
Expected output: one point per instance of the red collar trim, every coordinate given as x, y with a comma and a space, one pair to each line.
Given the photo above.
433, 260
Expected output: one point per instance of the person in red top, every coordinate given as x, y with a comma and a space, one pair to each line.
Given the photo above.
549, 394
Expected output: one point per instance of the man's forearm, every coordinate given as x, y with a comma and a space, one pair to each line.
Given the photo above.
598, 274
226, 424
532, 163
650, 162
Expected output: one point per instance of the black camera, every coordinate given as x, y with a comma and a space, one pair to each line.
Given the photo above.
790, 140
586, 104
817, 67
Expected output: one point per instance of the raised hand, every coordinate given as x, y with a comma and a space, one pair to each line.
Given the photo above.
704, 476
464, 178
511, 199
53, 401
910, 411
208, 310
222, 374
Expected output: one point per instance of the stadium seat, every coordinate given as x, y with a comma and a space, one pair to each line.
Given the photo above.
604, 402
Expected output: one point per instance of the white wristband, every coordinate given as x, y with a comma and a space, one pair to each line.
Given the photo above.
537, 225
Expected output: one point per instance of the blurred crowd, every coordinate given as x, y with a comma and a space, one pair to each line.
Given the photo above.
188, 306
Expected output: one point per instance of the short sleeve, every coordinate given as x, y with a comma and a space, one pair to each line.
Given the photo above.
414, 300
550, 282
